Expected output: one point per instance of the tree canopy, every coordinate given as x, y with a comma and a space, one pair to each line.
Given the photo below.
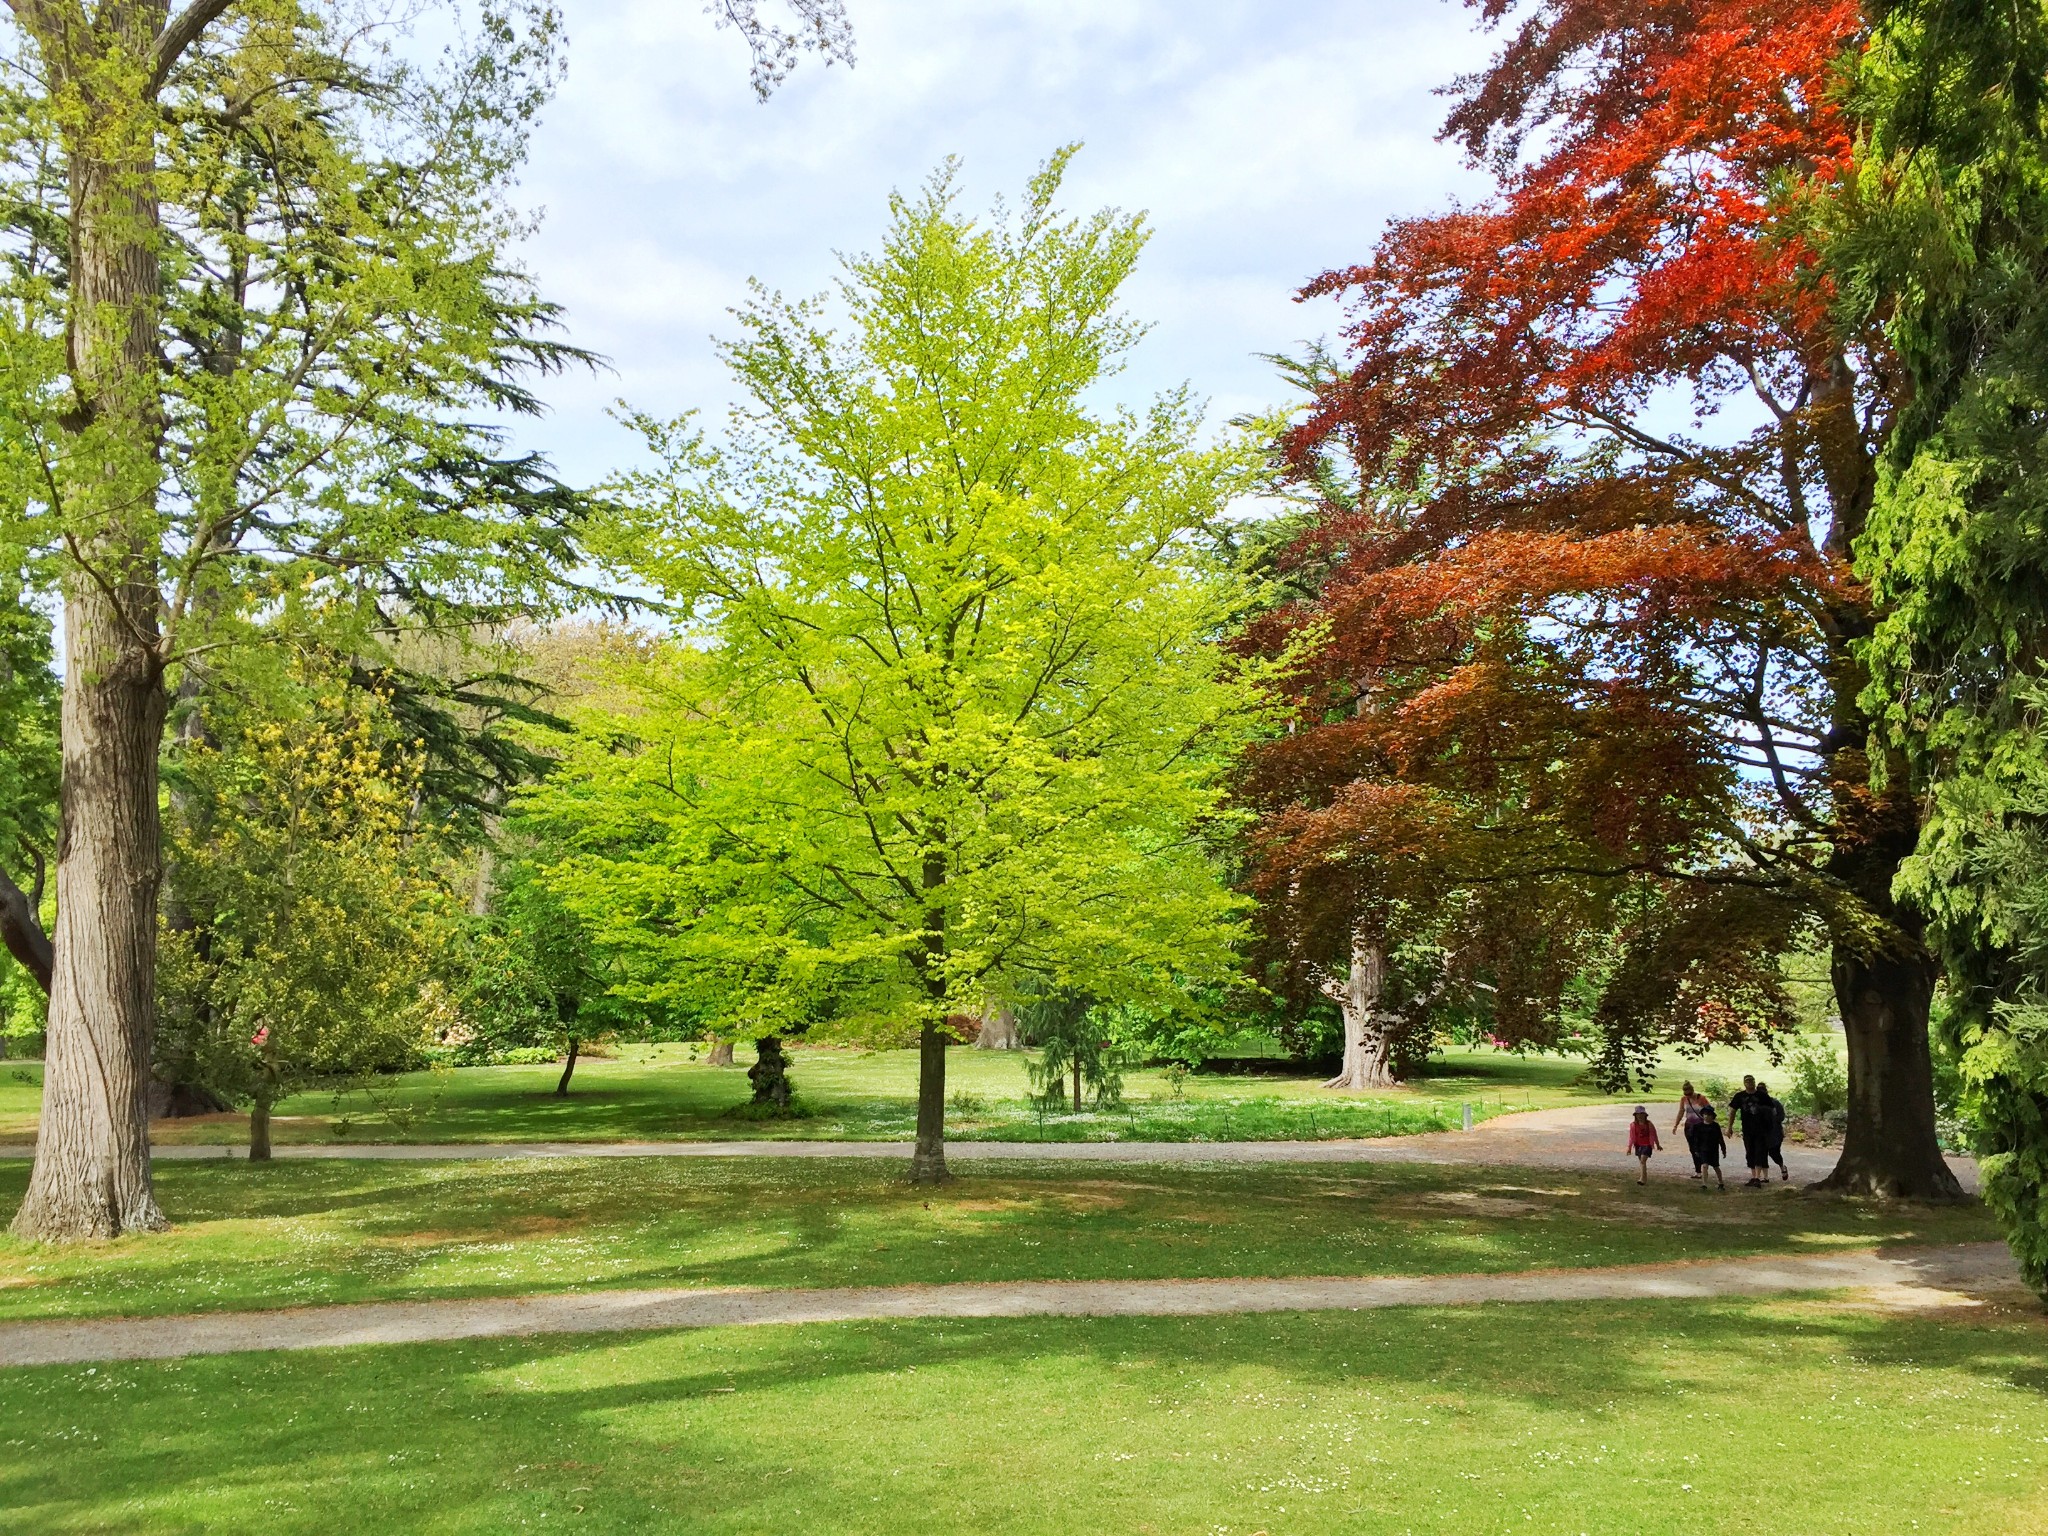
949, 712
1571, 640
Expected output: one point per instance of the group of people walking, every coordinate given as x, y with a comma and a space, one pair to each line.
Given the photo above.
1759, 1119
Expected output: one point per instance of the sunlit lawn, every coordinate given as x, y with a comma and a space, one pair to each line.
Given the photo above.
1642, 1419
298, 1232
660, 1092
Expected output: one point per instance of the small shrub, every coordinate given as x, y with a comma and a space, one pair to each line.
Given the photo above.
525, 1056
1716, 1089
1820, 1085
967, 1103
1176, 1076
796, 1109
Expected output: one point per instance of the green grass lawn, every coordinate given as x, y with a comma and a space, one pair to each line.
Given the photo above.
301, 1232
1643, 1419
661, 1093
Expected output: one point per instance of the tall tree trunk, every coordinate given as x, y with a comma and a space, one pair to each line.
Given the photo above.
1077, 1082
568, 1070
721, 1054
259, 1129
91, 1175
1366, 1037
1884, 990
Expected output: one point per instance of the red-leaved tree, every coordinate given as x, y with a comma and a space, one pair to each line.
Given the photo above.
1591, 470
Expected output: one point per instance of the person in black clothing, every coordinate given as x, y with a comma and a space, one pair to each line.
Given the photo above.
1707, 1143
1753, 1119
1774, 1135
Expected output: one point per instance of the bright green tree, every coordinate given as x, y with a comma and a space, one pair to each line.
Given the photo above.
958, 715
1946, 233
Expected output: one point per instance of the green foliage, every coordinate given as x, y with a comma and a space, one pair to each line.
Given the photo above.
949, 714
534, 980
1820, 1083
1079, 1060
309, 916
1947, 231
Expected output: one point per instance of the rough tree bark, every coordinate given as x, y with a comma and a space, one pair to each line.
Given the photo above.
568, 1069
1367, 1039
721, 1054
102, 68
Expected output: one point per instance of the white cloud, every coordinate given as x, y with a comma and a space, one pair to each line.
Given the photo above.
1266, 143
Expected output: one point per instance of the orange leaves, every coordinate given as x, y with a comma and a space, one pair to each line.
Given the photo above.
1642, 147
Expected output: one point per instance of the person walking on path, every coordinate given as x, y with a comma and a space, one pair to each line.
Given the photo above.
1706, 1142
1753, 1120
1691, 1108
1774, 1134
1642, 1141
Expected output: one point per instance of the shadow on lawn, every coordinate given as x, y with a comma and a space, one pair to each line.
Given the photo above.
734, 1428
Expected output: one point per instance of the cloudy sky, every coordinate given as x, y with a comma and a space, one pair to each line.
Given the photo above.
1265, 142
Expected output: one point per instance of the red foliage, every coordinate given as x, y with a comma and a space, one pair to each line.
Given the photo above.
1557, 638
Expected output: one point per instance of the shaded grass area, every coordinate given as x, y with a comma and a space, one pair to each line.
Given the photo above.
303, 1232
1635, 1420
662, 1093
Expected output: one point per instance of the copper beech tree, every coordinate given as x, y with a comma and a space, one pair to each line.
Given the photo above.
1591, 472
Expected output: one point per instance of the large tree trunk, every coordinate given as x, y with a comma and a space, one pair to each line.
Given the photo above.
1883, 989
999, 1031
1367, 1040
91, 1175
721, 1054
1890, 1147
770, 1073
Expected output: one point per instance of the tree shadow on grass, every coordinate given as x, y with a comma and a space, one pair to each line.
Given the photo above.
969, 1425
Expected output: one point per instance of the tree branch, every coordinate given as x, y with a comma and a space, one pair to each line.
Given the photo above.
182, 32
22, 931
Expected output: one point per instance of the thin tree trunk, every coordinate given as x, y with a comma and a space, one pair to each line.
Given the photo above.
928, 1159
259, 1130
91, 1175
1366, 1037
721, 1054
568, 1070
1077, 1082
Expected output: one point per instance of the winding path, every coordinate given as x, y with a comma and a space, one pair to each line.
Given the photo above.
1584, 1138
1904, 1276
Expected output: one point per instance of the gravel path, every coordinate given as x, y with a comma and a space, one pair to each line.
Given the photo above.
1586, 1138
1911, 1275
